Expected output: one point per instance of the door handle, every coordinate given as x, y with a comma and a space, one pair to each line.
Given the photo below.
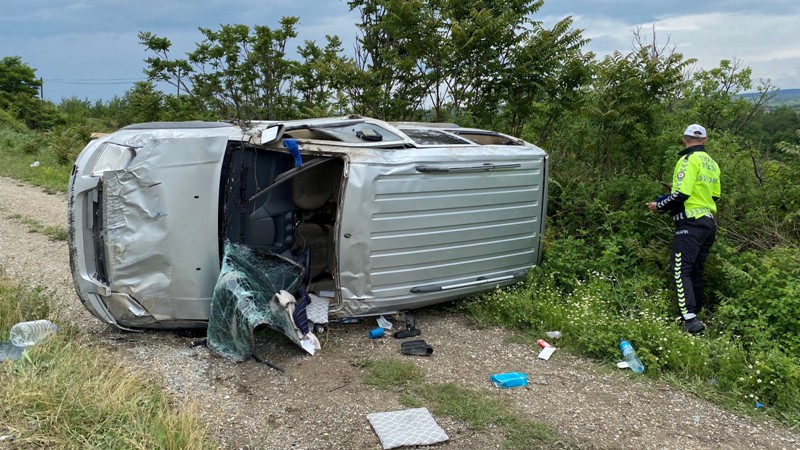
486, 167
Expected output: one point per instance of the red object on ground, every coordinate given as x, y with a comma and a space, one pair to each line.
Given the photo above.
542, 343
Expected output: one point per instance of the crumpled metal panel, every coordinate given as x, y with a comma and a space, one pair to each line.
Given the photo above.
160, 229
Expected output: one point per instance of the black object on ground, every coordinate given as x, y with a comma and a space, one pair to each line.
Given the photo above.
411, 329
263, 361
416, 347
402, 334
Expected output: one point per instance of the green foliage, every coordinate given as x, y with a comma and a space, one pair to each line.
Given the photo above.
237, 72
592, 318
50, 397
9, 121
19, 88
764, 297
612, 129
714, 97
20, 151
20, 303
17, 77
626, 110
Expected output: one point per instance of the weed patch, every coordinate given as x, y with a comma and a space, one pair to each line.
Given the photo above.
389, 372
66, 394
21, 151
54, 233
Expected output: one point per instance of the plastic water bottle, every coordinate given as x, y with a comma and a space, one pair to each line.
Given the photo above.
26, 334
630, 356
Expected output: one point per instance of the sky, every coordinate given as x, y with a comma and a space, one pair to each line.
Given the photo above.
89, 49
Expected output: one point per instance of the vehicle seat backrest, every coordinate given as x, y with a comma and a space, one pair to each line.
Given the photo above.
313, 188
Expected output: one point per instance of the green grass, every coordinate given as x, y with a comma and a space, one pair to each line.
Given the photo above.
480, 410
717, 366
19, 150
54, 233
389, 372
67, 393
20, 303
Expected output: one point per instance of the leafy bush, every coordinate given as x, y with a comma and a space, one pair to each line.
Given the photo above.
764, 299
593, 312
65, 143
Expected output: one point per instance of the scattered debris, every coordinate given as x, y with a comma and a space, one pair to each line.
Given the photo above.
509, 380
265, 362
350, 320
27, 334
35, 164
411, 328
546, 353
553, 334
385, 324
376, 333
547, 349
406, 428
416, 347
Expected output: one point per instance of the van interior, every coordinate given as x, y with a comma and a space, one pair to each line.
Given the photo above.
268, 204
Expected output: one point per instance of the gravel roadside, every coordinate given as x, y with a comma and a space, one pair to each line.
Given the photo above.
320, 402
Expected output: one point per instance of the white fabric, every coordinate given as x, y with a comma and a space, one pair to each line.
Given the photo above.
408, 427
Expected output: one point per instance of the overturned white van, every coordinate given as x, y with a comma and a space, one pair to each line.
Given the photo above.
375, 217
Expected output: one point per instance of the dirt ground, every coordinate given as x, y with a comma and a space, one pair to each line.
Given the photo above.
320, 402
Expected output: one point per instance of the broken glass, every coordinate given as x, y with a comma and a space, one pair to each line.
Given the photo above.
244, 298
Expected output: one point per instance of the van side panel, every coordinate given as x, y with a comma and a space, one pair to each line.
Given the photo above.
420, 236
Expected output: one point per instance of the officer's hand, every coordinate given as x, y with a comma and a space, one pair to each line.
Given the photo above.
652, 206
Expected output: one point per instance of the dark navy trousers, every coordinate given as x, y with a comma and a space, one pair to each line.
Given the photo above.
690, 247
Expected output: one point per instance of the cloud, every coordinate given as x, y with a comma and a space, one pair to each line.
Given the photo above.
767, 43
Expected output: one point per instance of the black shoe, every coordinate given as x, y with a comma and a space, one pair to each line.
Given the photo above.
417, 347
694, 325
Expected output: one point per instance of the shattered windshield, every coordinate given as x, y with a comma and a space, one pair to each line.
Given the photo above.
244, 298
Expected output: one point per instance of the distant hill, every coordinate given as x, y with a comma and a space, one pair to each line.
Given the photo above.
785, 97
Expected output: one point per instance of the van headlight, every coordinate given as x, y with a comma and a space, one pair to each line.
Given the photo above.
112, 157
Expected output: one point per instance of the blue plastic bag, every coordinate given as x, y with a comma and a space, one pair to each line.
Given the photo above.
509, 380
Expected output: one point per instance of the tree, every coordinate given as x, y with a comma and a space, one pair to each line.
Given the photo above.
457, 58
17, 77
19, 91
319, 78
629, 105
143, 103
715, 100
240, 73
545, 79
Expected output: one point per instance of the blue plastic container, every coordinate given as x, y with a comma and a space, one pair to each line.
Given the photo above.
376, 333
509, 380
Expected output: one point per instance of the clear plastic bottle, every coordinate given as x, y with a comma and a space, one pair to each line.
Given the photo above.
26, 334
634, 362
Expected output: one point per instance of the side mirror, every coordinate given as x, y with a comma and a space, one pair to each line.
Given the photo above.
271, 134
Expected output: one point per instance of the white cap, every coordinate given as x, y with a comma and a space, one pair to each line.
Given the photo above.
696, 131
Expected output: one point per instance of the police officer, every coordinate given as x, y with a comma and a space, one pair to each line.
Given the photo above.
695, 189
